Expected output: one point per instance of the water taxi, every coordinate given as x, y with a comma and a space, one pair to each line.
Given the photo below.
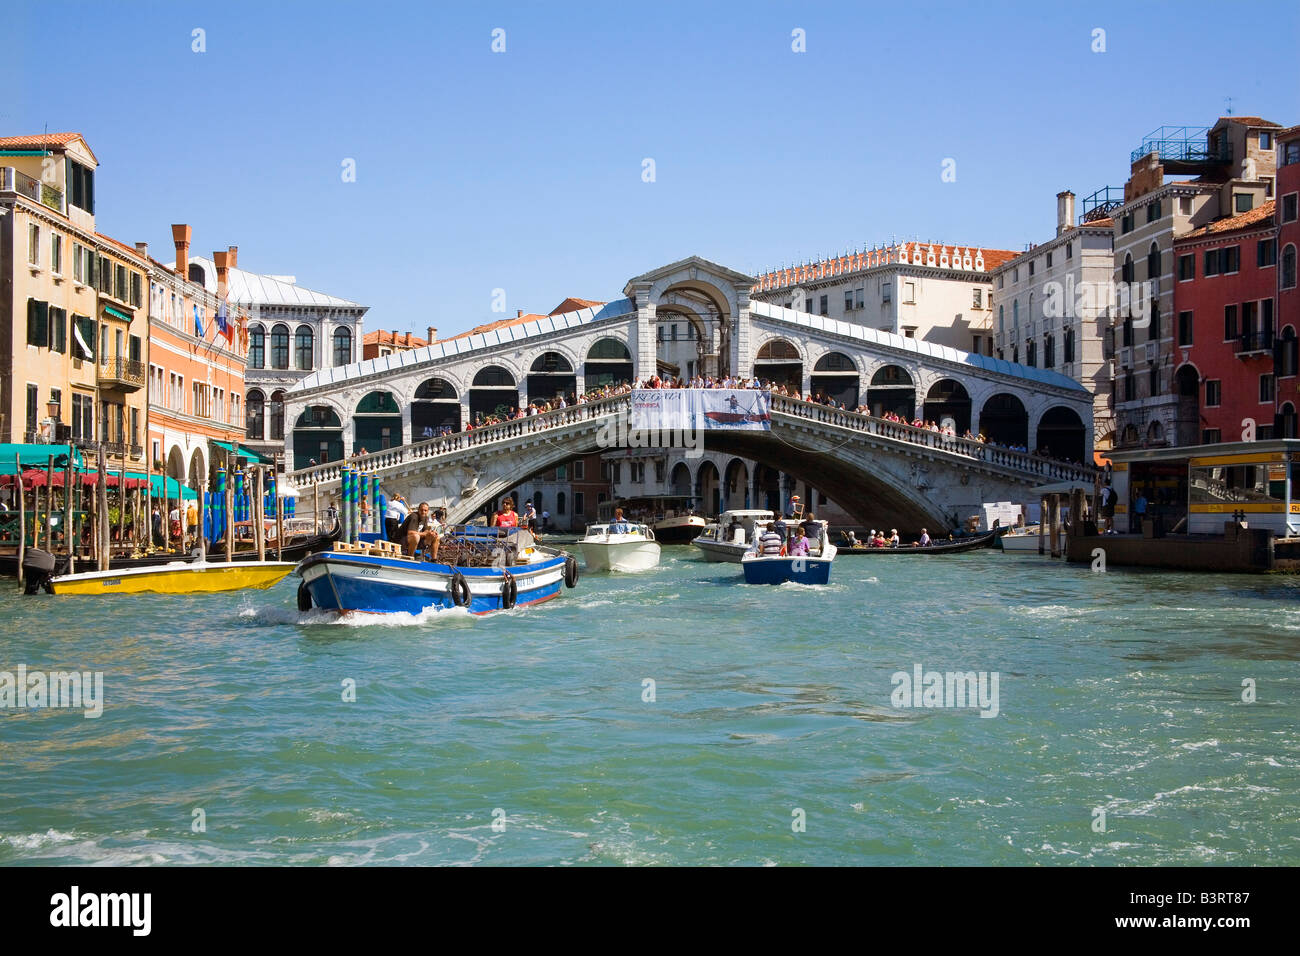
732, 534
812, 568
178, 577
628, 547
480, 569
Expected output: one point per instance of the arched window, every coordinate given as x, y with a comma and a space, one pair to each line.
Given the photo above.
1001, 316
1015, 317
1126, 272
559, 503
1288, 267
280, 346
253, 418
1153, 266
342, 347
302, 348
256, 347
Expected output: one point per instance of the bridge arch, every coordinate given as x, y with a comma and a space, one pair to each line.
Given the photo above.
1003, 420
781, 362
680, 479
377, 422
1060, 433
892, 390
608, 362
493, 387
551, 374
435, 405
735, 484
837, 376
948, 402
723, 290
708, 487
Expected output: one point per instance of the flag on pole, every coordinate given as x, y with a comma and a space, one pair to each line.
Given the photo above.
198, 323
223, 323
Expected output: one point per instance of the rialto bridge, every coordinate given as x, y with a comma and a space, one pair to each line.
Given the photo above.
399, 407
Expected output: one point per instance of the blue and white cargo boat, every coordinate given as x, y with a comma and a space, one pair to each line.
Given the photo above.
480, 569
812, 568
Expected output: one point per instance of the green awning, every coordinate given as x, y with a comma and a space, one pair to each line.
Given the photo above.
173, 487
35, 456
112, 311
239, 451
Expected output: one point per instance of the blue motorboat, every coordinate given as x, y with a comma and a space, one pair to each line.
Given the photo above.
811, 568
479, 569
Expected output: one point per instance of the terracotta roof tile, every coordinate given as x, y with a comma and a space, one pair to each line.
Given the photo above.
40, 139
396, 339
1252, 121
1258, 215
872, 258
117, 242
573, 304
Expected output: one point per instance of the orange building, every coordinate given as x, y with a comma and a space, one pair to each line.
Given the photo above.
196, 370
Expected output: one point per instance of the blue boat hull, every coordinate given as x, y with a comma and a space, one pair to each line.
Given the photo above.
358, 582
781, 570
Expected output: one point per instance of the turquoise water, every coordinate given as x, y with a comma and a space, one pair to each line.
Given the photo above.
1119, 692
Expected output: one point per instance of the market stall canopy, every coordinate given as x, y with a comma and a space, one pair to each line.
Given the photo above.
173, 489
35, 456
239, 451
37, 478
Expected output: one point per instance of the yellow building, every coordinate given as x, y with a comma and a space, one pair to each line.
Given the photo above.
73, 325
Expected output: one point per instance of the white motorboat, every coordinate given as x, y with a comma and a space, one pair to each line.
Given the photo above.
732, 535
1022, 540
672, 517
625, 547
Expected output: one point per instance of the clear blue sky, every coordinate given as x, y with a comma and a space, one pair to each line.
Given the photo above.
523, 170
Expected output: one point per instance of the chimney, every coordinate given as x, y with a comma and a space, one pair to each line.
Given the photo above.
407, 340
181, 236
1064, 211
142, 248
234, 256
433, 335
222, 262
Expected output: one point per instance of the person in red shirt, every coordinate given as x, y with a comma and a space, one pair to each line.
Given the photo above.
507, 517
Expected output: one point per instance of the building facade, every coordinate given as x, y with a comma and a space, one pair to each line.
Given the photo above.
1051, 306
73, 325
1287, 215
196, 369
292, 332
1234, 167
928, 291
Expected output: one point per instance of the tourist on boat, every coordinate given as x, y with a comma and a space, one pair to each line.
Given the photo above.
530, 516
507, 517
894, 542
925, 539
781, 528
619, 524
420, 531
768, 543
879, 540
394, 516
799, 546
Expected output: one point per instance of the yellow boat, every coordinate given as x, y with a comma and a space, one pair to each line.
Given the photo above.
178, 577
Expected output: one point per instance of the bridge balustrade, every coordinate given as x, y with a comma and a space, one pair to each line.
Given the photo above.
1018, 461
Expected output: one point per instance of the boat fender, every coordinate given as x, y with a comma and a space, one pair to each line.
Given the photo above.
304, 597
459, 590
509, 590
570, 571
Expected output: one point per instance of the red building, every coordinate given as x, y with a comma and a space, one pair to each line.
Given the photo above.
1225, 296
1288, 295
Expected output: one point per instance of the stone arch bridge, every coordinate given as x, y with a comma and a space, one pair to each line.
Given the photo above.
397, 407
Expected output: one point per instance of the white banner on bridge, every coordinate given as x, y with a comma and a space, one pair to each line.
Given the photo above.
692, 408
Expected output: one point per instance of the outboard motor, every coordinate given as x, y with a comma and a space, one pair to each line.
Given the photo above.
38, 567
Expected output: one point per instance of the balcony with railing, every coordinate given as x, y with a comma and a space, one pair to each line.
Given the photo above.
1254, 343
14, 180
1183, 148
1101, 204
126, 375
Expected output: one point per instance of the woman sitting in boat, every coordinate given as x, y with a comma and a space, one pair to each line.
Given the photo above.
507, 517
420, 532
799, 546
879, 540
894, 541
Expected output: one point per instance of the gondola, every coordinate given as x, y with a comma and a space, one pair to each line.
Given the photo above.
971, 543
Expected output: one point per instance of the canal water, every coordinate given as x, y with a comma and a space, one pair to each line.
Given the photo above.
769, 735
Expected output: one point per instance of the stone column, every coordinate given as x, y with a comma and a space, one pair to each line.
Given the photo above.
644, 351
739, 356
408, 430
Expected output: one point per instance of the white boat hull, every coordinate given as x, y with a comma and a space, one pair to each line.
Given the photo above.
629, 556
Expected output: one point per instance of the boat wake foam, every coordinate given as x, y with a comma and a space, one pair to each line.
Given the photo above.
276, 616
